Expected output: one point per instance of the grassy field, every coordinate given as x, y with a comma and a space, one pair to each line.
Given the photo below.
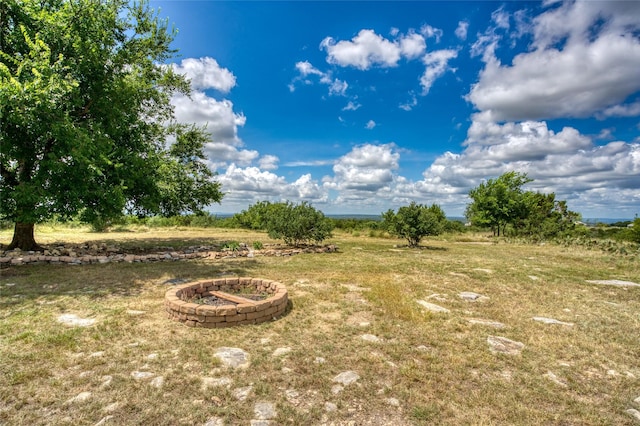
424, 367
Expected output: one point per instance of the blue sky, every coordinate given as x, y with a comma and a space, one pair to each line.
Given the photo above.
359, 107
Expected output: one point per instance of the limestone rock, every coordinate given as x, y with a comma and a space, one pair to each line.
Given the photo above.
233, 357
471, 296
140, 375
281, 351
371, 338
81, 397
552, 321
503, 345
264, 411
617, 283
494, 324
346, 378
75, 321
432, 307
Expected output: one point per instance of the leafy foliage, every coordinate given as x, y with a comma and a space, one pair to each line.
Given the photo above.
545, 217
634, 231
498, 202
84, 107
415, 221
296, 224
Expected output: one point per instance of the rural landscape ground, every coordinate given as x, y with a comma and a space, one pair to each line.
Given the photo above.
522, 336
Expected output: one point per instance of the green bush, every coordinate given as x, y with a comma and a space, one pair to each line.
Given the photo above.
296, 224
633, 233
415, 221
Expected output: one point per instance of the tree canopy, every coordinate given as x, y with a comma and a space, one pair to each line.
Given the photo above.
296, 224
414, 222
498, 203
86, 123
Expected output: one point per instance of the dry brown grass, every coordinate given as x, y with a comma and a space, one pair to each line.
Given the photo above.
438, 366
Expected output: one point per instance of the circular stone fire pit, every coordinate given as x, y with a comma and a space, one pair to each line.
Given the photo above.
226, 302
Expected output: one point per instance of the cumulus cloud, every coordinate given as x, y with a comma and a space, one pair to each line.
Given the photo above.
367, 168
370, 125
461, 30
436, 63
306, 69
220, 154
585, 62
431, 32
217, 116
368, 49
246, 185
351, 106
206, 73
412, 45
565, 162
268, 162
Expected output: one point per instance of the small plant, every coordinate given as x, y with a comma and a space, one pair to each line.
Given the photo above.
231, 246
257, 245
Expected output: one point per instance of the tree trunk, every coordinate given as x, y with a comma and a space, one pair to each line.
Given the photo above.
23, 238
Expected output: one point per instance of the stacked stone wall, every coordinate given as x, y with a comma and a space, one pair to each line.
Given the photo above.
179, 302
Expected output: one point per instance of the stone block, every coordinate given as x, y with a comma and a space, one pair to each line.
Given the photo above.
235, 318
263, 305
226, 310
189, 308
212, 319
245, 308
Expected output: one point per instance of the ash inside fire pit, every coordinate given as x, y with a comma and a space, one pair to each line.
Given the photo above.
213, 300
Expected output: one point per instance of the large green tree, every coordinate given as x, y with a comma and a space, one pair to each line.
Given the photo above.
414, 222
86, 123
498, 202
545, 216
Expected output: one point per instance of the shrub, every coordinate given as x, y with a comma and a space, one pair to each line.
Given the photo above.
415, 221
296, 224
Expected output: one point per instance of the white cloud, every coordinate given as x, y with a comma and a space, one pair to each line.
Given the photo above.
437, 63
461, 30
585, 62
412, 45
220, 154
268, 162
206, 73
431, 32
250, 181
368, 49
306, 69
366, 168
566, 162
351, 106
408, 106
370, 125
218, 116
338, 87
244, 186
625, 110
